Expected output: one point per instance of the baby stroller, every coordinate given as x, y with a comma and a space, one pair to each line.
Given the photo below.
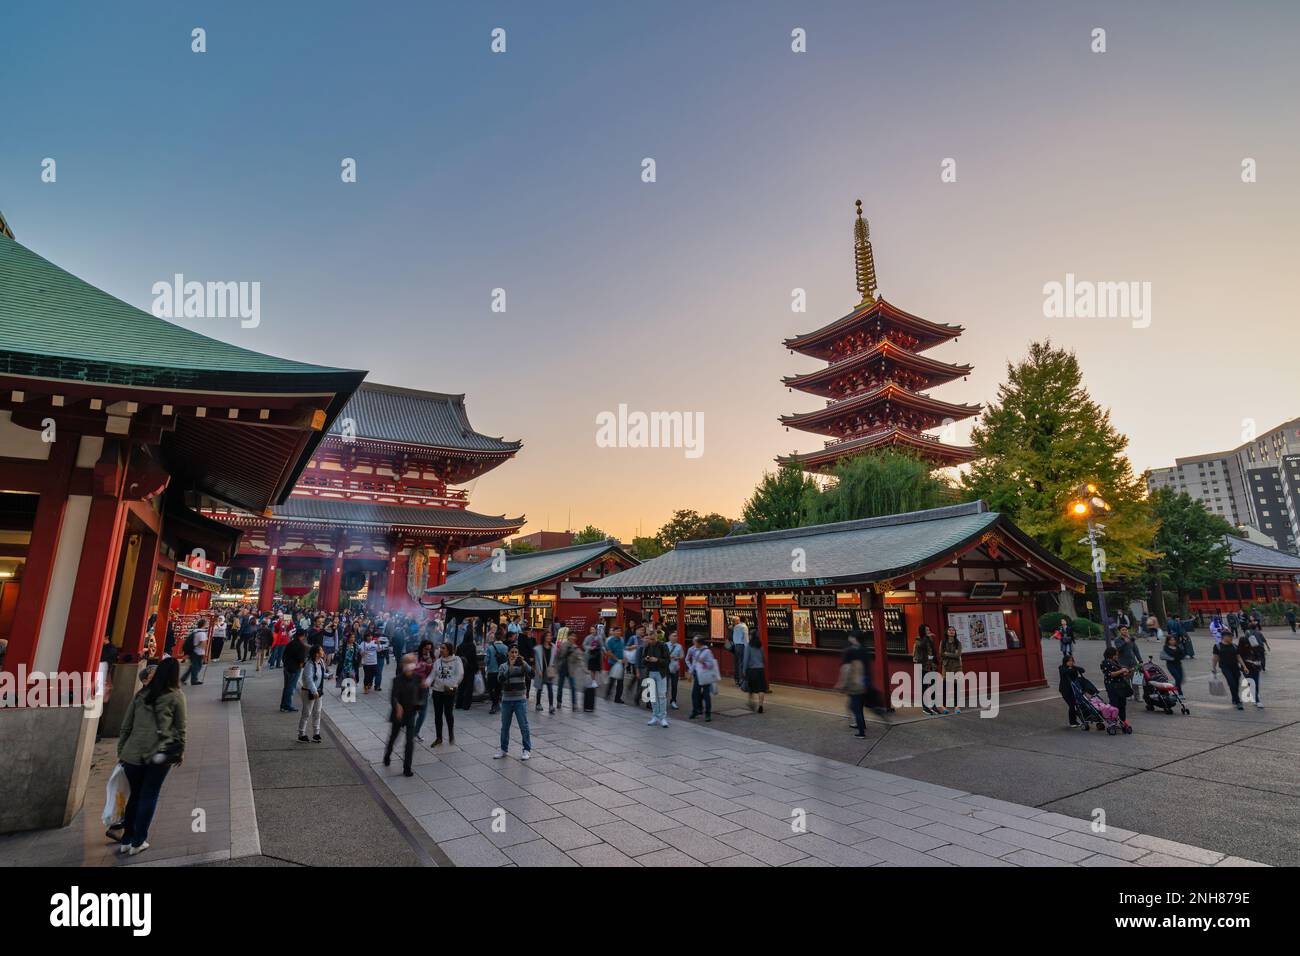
1093, 711
1159, 689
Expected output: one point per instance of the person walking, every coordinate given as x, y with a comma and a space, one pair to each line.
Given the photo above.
513, 679
1291, 618
654, 666
614, 651
568, 660
468, 653
950, 659
676, 653
349, 660
1117, 679
219, 632
294, 659
312, 693
403, 697
383, 649
196, 649
265, 635
1069, 673
279, 640
424, 671
1172, 654
1234, 621
923, 659
494, 655
1251, 649
1065, 634
705, 675
755, 674
1130, 657
370, 661
739, 640
447, 674
855, 671
1227, 658
546, 671
150, 743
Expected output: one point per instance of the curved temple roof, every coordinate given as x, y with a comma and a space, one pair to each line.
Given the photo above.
843, 553
411, 417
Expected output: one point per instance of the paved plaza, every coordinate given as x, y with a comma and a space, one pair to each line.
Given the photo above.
605, 789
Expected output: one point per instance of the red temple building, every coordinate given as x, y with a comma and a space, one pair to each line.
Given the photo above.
374, 515
876, 378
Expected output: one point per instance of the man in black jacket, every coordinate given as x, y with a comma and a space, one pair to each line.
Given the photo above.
404, 696
295, 656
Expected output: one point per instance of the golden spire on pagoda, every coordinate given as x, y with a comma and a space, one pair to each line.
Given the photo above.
864, 262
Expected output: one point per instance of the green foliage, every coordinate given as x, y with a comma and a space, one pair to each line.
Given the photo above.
521, 547
1042, 438
1048, 622
1086, 628
1190, 541
689, 525
874, 484
645, 548
778, 501
589, 535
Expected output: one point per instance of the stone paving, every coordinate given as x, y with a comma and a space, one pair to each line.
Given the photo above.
604, 789
214, 778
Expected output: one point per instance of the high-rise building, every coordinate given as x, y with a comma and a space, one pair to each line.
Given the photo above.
1256, 484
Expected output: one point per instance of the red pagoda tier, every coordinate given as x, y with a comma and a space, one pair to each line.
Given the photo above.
372, 514
874, 379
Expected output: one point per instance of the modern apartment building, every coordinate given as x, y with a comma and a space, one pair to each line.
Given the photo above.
1256, 484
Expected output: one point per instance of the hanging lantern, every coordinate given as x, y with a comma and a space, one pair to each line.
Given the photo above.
239, 579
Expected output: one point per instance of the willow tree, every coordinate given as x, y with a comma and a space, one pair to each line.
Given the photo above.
874, 484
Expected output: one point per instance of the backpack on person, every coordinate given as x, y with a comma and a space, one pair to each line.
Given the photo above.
851, 680
187, 647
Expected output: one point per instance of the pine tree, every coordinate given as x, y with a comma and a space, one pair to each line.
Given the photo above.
1042, 438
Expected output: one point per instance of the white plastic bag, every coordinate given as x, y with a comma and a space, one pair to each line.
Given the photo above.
479, 687
119, 791
1217, 687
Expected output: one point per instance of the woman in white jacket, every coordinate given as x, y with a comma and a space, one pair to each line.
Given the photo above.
311, 690
448, 671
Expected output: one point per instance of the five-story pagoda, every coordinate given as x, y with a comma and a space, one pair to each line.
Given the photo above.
875, 380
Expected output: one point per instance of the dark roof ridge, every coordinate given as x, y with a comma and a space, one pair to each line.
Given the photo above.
860, 524
412, 392
607, 542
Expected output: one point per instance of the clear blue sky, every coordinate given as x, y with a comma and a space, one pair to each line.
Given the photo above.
522, 171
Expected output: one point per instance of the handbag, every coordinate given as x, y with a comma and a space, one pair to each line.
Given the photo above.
707, 673
616, 670
1217, 687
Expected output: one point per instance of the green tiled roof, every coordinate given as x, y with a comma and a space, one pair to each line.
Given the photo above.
523, 571
55, 325
847, 552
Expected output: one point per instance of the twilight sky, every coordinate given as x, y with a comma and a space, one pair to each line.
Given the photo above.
522, 171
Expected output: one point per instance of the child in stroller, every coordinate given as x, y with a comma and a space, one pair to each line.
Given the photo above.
1159, 689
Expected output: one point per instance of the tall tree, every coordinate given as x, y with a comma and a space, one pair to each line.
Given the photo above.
1191, 543
877, 483
589, 535
1042, 438
646, 547
778, 501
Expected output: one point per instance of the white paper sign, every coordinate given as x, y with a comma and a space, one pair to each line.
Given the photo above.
979, 630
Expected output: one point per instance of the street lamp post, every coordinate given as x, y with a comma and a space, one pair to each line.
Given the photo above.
1089, 504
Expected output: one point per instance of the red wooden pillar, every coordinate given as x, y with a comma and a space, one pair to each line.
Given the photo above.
761, 613
38, 572
266, 593
395, 596
164, 608
137, 615
92, 592
621, 620
881, 663
681, 622
332, 582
